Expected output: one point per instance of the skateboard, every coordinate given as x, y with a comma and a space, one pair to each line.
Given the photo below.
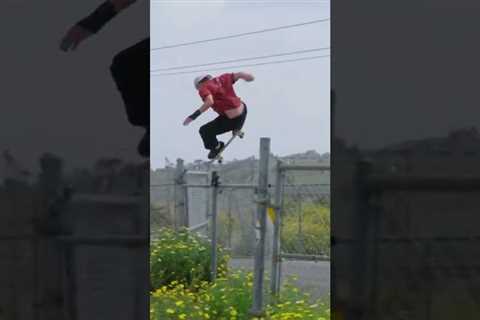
219, 157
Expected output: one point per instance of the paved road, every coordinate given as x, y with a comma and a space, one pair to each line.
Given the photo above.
313, 277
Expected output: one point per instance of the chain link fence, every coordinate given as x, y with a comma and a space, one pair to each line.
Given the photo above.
162, 207
235, 210
237, 223
298, 223
306, 213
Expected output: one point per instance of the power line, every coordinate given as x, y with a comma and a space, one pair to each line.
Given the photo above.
241, 66
226, 3
242, 59
240, 34
234, 1
249, 3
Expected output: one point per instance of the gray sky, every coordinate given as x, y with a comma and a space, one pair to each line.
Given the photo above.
406, 70
290, 103
64, 103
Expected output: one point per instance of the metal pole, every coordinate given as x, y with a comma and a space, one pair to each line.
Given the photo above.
362, 214
304, 257
186, 208
223, 186
230, 221
214, 225
202, 225
276, 246
180, 219
207, 205
262, 193
297, 167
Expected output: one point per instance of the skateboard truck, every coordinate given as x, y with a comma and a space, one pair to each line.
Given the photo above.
235, 134
240, 134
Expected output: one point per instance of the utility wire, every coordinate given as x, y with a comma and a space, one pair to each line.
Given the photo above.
243, 3
240, 34
202, 2
241, 66
242, 59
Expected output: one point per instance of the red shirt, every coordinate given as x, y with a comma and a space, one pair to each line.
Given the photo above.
221, 89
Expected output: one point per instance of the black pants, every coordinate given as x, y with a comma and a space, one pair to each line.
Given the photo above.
219, 125
130, 71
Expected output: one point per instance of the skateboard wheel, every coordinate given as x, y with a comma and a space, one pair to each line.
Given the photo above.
239, 134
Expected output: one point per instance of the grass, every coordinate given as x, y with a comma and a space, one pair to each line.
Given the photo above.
230, 297
182, 288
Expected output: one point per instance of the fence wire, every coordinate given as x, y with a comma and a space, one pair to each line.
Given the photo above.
236, 222
235, 213
306, 213
162, 207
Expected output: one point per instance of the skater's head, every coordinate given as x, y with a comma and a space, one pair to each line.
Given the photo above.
201, 79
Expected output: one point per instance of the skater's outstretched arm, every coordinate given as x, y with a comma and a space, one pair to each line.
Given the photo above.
244, 76
93, 23
207, 103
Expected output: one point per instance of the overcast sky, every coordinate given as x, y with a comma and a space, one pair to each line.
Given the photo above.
65, 103
287, 102
406, 70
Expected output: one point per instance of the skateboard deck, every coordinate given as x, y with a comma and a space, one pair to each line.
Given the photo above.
219, 156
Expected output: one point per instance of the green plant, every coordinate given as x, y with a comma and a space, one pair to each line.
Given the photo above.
311, 234
182, 258
230, 297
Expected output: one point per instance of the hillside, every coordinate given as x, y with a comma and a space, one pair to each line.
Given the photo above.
239, 171
244, 171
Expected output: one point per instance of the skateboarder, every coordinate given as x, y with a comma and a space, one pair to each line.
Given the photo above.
218, 94
130, 67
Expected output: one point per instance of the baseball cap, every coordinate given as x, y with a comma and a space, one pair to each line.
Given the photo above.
199, 79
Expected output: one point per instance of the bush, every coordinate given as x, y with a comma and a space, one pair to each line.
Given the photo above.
315, 235
230, 297
182, 258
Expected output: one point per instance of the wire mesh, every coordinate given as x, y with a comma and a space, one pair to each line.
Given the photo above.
236, 222
162, 207
306, 213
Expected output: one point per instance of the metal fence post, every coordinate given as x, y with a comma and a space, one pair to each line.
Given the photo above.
360, 268
186, 207
179, 212
257, 309
214, 185
276, 245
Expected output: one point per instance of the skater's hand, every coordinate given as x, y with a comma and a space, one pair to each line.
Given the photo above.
187, 121
74, 37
